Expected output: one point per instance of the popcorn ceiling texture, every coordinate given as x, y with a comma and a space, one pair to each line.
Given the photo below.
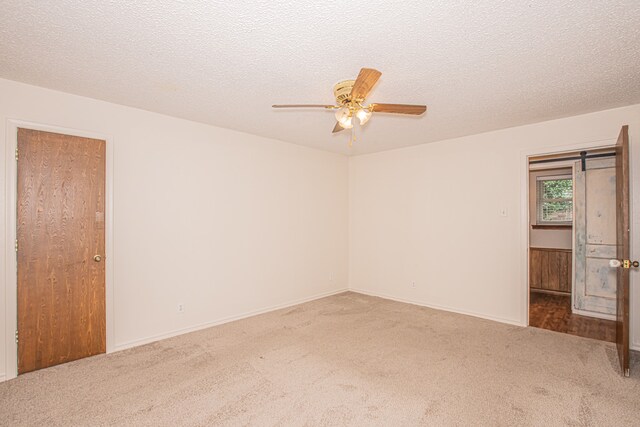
479, 66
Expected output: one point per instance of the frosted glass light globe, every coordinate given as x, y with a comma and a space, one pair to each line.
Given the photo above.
347, 124
343, 116
363, 115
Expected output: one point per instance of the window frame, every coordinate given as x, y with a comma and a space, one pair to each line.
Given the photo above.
539, 200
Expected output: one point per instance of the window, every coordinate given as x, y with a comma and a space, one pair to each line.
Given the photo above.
554, 200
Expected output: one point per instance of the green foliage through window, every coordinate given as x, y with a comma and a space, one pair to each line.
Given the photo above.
555, 200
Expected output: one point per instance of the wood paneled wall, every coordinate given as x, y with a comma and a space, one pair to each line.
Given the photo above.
550, 269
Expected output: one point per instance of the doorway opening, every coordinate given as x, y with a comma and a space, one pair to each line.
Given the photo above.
572, 237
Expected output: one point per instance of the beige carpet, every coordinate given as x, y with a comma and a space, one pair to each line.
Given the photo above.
348, 359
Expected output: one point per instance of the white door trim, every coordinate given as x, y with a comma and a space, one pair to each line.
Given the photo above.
11, 279
524, 208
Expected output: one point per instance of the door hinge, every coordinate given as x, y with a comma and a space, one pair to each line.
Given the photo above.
16, 245
16, 337
16, 153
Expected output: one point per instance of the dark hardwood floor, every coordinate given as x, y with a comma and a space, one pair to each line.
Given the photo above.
553, 312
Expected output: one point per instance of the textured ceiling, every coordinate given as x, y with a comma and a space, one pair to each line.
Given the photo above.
479, 66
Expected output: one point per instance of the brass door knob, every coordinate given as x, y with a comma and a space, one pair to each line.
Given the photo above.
97, 258
624, 263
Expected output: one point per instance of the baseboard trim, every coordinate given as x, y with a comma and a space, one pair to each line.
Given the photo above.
438, 307
174, 333
135, 343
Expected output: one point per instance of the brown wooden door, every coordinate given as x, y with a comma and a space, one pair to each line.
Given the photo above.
60, 211
622, 248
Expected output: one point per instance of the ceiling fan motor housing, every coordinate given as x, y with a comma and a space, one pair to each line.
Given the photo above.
342, 91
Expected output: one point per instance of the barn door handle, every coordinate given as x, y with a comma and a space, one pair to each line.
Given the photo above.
97, 258
625, 263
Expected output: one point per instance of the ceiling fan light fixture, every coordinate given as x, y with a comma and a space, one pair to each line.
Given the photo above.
343, 116
347, 123
350, 98
363, 115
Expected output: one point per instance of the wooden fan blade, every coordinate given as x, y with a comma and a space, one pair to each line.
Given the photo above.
399, 108
364, 83
303, 106
337, 128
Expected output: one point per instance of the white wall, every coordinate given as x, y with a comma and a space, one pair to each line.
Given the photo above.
429, 214
228, 223
223, 222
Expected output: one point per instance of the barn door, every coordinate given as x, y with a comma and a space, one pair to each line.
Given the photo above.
622, 249
60, 244
595, 237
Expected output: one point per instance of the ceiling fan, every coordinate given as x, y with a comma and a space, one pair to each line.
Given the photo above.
350, 96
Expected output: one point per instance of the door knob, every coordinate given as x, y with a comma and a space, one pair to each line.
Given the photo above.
625, 263
97, 258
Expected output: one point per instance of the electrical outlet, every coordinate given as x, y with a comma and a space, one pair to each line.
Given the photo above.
180, 308
503, 212
413, 284
331, 277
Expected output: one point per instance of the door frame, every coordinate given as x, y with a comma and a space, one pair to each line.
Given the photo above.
524, 209
11, 278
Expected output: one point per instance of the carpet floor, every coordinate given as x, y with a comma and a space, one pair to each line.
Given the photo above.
347, 359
